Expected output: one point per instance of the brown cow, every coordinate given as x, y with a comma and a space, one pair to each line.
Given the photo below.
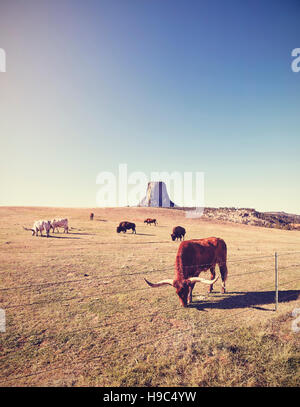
178, 233
149, 221
124, 226
194, 257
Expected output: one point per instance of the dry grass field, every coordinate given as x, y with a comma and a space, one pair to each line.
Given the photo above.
79, 313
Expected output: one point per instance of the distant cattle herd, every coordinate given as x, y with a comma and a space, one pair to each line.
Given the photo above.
193, 256
47, 225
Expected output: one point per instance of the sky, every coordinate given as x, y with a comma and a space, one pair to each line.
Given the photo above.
173, 85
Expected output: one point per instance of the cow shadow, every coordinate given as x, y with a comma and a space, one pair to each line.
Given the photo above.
83, 234
144, 234
252, 299
61, 237
130, 243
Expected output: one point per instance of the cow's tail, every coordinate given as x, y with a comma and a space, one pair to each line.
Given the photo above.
28, 229
222, 260
224, 272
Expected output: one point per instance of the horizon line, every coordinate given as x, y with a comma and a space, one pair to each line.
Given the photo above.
133, 206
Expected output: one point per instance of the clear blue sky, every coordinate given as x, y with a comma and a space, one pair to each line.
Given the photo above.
160, 85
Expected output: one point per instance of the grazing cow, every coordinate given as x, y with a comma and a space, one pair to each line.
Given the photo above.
149, 221
60, 223
194, 257
178, 233
39, 226
91, 216
124, 226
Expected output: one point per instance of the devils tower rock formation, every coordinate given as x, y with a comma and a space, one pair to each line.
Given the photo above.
157, 196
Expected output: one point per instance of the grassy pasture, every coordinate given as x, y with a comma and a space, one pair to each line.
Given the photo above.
80, 314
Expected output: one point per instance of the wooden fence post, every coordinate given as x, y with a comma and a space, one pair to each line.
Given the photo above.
276, 281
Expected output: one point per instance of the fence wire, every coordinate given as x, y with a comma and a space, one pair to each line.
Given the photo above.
134, 318
134, 347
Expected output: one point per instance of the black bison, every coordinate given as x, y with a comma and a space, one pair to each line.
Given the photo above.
178, 233
149, 221
194, 257
124, 226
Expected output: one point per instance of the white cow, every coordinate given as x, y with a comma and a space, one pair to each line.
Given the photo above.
60, 223
39, 226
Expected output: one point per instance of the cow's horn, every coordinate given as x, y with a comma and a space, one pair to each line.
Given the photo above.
202, 280
160, 283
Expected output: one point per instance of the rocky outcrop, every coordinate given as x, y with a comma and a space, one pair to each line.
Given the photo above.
157, 196
249, 216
